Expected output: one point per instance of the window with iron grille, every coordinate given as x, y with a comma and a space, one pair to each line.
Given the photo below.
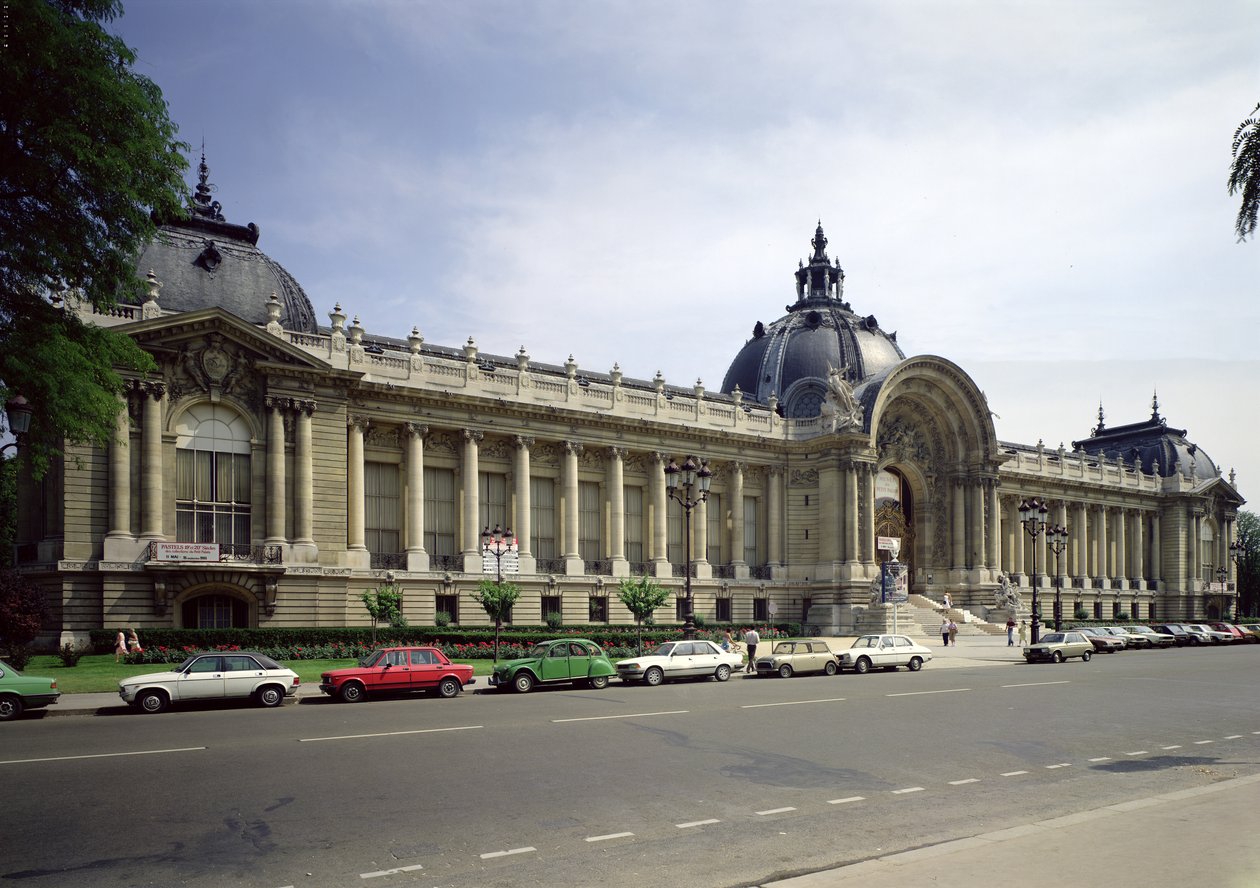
634, 523
542, 517
589, 512
552, 604
674, 549
448, 604
599, 609
492, 502
439, 512
382, 518
712, 546
213, 484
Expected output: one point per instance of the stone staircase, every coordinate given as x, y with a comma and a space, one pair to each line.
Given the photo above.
928, 613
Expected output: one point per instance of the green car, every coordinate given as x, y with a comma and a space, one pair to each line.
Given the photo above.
561, 661
19, 692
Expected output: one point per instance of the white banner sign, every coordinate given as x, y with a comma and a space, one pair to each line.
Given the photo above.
185, 551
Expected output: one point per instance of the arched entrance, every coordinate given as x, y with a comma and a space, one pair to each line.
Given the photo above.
894, 515
216, 607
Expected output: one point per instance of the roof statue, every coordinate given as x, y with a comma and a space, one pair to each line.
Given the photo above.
840, 412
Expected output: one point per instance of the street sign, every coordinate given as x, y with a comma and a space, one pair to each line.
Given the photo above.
887, 544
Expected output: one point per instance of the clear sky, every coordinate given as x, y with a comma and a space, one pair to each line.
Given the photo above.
1033, 190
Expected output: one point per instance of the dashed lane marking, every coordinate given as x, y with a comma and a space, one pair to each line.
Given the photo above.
1014, 773
1060, 765
389, 734
101, 755
845, 801
922, 693
492, 854
793, 703
696, 823
963, 782
391, 872
1101, 758
1174, 746
620, 835
775, 811
1138, 752
1202, 742
1036, 684
1234, 737
907, 789
595, 718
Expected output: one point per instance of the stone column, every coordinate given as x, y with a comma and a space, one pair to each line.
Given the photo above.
355, 491
975, 527
1021, 538
1122, 550
1157, 552
993, 535
1080, 543
152, 498
120, 475
417, 557
659, 505
868, 513
521, 480
957, 527
617, 511
470, 544
275, 470
774, 515
700, 535
303, 484
1137, 549
737, 519
852, 528
569, 507
1104, 546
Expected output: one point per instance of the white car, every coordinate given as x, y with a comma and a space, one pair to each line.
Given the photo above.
884, 652
1157, 639
680, 659
219, 676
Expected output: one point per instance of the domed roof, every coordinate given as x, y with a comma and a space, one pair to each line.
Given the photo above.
203, 260
792, 357
1151, 446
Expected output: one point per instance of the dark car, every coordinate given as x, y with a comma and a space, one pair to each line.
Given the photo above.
397, 670
1180, 636
1103, 642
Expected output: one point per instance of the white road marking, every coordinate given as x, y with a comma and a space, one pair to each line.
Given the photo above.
1138, 752
962, 782
847, 800
1174, 746
595, 718
907, 789
1014, 773
491, 854
1101, 758
775, 811
391, 872
1234, 737
1202, 742
793, 703
1036, 684
695, 823
101, 755
920, 693
389, 734
1060, 765
620, 835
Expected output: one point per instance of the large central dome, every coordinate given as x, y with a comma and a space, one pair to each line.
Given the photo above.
792, 357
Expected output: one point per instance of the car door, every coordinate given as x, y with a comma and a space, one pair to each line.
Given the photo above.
579, 660
241, 673
555, 666
392, 672
202, 680
811, 656
425, 670
885, 654
704, 658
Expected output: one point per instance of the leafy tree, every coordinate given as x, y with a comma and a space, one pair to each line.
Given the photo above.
497, 600
8, 510
22, 612
641, 596
1248, 567
87, 153
1244, 174
384, 605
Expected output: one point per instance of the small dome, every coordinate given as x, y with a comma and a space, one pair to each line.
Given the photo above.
1151, 446
793, 357
203, 261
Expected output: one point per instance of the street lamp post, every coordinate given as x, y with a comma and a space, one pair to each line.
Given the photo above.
1237, 554
18, 411
693, 476
1222, 574
1057, 540
1033, 516
497, 542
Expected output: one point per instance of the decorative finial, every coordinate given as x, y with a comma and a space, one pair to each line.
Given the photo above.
1155, 405
1101, 425
820, 244
203, 204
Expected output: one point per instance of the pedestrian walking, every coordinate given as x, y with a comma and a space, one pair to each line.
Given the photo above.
953, 633
945, 631
1023, 632
751, 640
949, 602
133, 643
1010, 631
120, 645
726, 640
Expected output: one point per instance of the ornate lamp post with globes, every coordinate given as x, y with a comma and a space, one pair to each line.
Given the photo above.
497, 542
1033, 517
1057, 540
1237, 554
681, 483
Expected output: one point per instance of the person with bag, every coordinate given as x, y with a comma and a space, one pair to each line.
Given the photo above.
133, 642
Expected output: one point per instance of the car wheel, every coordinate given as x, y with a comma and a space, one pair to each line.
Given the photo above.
723, 672
352, 692
448, 687
785, 671
862, 666
152, 702
1085, 656
1058, 656
522, 682
270, 696
831, 668
599, 682
654, 676
915, 664
10, 707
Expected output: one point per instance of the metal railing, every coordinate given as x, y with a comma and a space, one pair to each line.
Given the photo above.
388, 560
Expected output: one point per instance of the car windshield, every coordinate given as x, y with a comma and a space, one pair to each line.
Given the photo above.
184, 665
665, 649
372, 659
784, 647
1052, 638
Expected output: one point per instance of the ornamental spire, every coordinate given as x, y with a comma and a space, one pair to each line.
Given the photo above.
203, 205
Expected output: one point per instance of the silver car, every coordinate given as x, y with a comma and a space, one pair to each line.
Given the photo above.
884, 652
680, 659
790, 657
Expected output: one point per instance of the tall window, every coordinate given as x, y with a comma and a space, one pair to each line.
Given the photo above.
492, 500
723, 614
382, 514
675, 551
717, 520
634, 524
212, 476
589, 538
542, 517
439, 512
751, 555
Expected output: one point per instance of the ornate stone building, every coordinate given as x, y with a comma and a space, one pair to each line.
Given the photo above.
271, 470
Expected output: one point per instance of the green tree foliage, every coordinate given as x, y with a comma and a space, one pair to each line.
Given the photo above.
8, 510
1248, 567
21, 616
1244, 174
497, 600
641, 596
384, 605
87, 152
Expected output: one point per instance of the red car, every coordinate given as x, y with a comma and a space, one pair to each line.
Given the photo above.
397, 670
1239, 635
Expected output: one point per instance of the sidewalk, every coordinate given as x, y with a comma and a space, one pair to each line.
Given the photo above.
1156, 842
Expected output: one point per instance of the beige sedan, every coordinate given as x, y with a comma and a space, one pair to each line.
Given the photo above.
790, 657
1055, 647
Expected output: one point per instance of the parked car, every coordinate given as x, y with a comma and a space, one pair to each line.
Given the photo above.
560, 661
1236, 632
680, 659
238, 675
20, 692
1130, 640
1058, 646
791, 657
1252, 628
884, 652
1212, 636
1157, 639
1178, 632
398, 670
1104, 642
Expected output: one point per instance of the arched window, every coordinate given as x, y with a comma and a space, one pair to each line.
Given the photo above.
215, 611
212, 477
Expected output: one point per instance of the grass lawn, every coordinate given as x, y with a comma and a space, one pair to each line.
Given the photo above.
98, 673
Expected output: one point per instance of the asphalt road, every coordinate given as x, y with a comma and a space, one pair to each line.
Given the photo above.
700, 784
